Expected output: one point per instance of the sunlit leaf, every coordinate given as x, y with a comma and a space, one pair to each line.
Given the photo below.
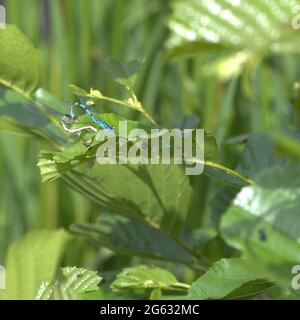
71, 284
246, 30
263, 222
20, 62
147, 277
223, 278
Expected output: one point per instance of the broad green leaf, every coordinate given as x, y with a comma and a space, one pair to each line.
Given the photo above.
54, 164
126, 236
48, 100
263, 222
221, 279
144, 277
245, 29
9, 125
215, 249
256, 25
32, 260
251, 290
221, 201
259, 154
157, 194
15, 106
71, 284
20, 62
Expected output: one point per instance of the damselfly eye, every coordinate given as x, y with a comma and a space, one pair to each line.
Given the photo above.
67, 118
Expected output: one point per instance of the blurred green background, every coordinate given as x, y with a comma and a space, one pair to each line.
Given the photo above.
76, 37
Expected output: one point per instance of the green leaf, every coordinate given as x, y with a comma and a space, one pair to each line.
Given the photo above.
20, 62
123, 73
48, 100
16, 107
246, 30
263, 222
158, 195
54, 164
251, 290
126, 236
78, 91
71, 284
189, 48
223, 278
215, 249
143, 277
235, 24
32, 260
221, 201
259, 154
18, 115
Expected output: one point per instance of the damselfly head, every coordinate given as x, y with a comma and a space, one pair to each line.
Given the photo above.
67, 118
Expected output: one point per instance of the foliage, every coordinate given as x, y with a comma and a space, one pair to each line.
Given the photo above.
230, 233
223, 278
72, 284
146, 277
33, 260
257, 224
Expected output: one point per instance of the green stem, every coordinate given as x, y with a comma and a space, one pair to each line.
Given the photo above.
227, 170
9, 85
181, 285
124, 103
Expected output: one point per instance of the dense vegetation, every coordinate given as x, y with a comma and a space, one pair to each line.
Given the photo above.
73, 229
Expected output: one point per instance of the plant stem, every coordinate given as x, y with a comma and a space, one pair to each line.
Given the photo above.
229, 171
127, 104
